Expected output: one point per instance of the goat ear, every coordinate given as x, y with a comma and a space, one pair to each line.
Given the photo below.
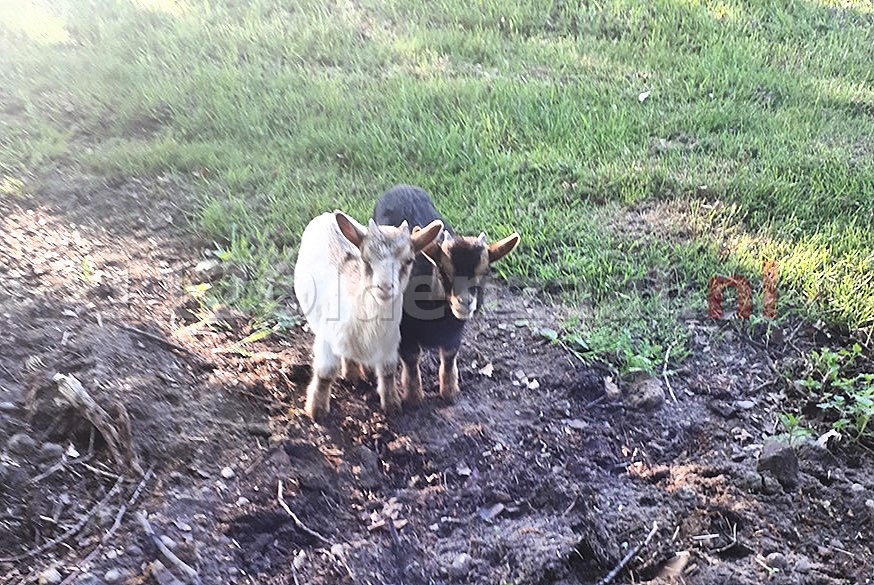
425, 237
405, 226
481, 238
432, 251
503, 247
350, 229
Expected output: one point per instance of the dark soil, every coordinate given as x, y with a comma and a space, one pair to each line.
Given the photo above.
546, 482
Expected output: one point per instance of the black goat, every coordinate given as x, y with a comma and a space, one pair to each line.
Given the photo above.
445, 289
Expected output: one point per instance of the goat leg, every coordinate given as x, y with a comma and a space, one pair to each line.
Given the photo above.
411, 377
387, 389
352, 371
318, 403
448, 373
325, 364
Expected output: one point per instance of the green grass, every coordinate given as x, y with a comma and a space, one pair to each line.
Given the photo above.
843, 385
755, 140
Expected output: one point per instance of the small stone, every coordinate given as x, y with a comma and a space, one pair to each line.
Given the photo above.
367, 471
49, 451
243, 501
183, 526
745, 404
687, 493
134, 551
460, 567
777, 560
611, 390
259, 429
491, 512
113, 576
21, 444
857, 487
210, 269
869, 504
88, 579
780, 459
803, 565
533, 385
6, 406
50, 577
770, 485
299, 559
645, 394
227, 472
168, 542
577, 424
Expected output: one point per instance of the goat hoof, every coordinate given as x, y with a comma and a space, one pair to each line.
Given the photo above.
392, 407
449, 394
413, 397
317, 411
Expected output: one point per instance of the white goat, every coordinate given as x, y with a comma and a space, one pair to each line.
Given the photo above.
349, 281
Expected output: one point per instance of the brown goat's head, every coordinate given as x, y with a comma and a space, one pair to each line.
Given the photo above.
462, 263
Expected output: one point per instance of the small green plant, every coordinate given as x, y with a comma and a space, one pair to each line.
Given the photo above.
853, 404
12, 187
795, 431
845, 394
87, 268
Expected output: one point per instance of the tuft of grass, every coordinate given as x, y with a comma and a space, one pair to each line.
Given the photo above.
837, 380
754, 141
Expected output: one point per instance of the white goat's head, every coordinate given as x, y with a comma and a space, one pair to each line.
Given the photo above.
387, 253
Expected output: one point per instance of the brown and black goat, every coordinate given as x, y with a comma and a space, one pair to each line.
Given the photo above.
445, 288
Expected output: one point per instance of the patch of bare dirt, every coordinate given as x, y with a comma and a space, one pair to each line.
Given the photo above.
534, 476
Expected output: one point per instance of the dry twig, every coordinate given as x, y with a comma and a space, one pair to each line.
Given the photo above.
71, 531
121, 449
665, 372
115, 525
294, 573
297, 521
162, 574
59, 465
400, 557
628, 557
168, 554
